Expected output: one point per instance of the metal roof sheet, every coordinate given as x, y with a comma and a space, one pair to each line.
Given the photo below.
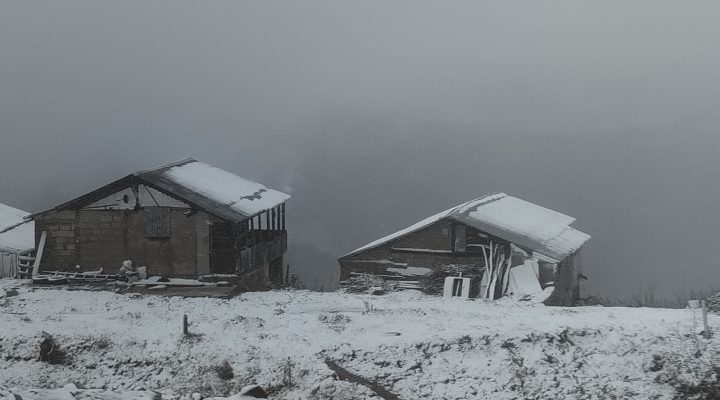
523, 223
515, 220
17, 232
217, 191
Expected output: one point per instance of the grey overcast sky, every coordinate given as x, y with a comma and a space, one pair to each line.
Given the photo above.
375, 114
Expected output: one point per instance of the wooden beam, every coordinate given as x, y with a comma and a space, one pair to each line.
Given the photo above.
348, 376
283, 216
38, 256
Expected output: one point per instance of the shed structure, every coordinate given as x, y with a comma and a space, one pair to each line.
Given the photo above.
184, 219
521, 234
16, 239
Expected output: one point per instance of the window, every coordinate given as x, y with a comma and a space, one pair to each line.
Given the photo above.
157, 222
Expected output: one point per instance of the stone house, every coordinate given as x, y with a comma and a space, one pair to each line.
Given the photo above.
184, 219
520, 233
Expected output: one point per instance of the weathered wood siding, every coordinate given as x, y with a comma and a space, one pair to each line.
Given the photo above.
429, 247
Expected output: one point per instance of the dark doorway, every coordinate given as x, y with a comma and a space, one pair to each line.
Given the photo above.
276, 271
222, 248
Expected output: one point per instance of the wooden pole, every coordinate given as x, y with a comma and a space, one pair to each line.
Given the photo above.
185, 325
274, 219
283, 216
706, 330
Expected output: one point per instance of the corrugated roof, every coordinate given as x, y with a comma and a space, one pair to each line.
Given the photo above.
526, 224
17, 232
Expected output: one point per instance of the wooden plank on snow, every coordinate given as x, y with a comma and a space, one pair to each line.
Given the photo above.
38, 257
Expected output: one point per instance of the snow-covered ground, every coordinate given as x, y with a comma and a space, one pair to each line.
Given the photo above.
416, 346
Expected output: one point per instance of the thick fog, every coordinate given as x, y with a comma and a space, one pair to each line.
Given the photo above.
375, 114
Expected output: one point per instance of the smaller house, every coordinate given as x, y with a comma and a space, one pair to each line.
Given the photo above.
520, 247
183, 219
17, 240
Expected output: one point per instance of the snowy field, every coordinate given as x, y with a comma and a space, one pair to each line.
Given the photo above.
415, 346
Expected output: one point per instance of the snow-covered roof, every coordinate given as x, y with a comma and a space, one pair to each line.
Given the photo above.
526, 224
208, 188
217, 191
17, 232
403, 232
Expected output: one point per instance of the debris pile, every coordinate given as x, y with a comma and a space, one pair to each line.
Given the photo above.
366, 283
130, 273
434, 282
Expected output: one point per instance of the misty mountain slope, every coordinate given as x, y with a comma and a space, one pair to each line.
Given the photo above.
415, 346
648, 195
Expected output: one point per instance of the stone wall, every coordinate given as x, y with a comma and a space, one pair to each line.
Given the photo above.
104, 238
60, 245
567, 290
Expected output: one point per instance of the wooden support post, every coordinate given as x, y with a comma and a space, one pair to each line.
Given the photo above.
274, 227
282, 217
38, 256
706, 330
267, 220
185, 325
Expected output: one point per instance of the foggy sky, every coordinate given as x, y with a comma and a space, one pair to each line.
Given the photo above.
375, 114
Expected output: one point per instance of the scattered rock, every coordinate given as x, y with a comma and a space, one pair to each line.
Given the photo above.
225, 371
253, 391
50, 351
376, 290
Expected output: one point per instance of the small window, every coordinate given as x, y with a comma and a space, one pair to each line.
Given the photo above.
157, 222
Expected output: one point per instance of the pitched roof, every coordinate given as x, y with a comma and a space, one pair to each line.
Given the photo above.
16, 232
211, 189
526, 224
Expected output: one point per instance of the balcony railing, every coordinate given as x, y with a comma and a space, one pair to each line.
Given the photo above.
269, 245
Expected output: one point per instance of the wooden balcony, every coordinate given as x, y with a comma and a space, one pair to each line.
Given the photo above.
268, 246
